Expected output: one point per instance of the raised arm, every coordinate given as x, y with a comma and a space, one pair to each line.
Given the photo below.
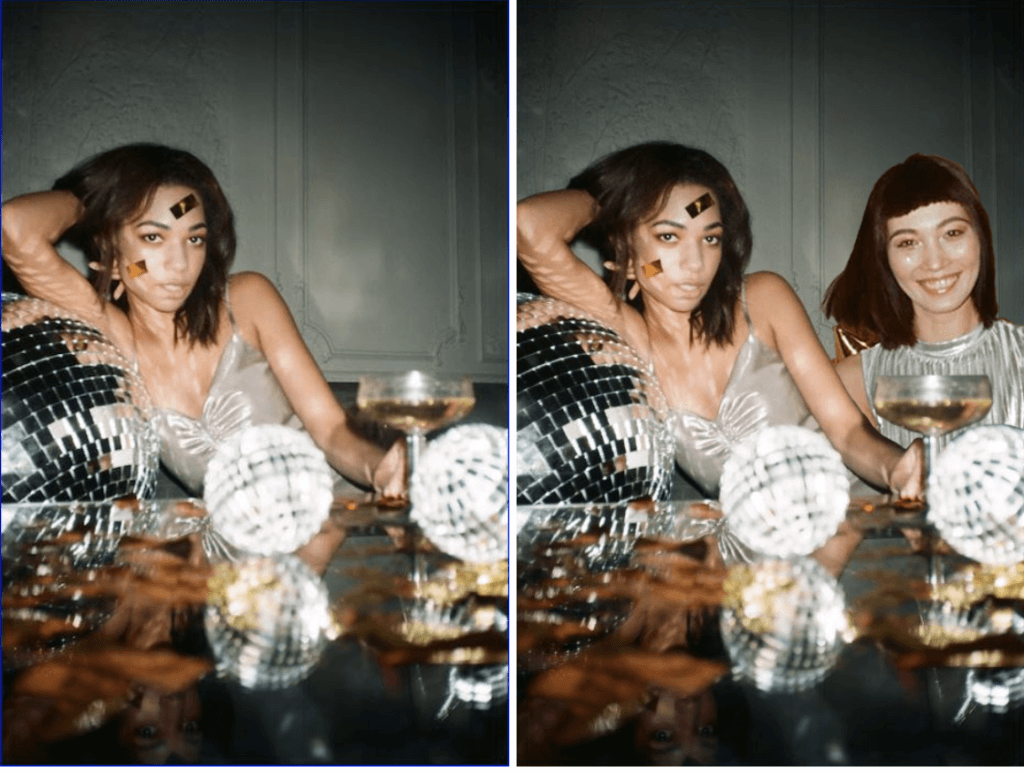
32, 225
265, 321
780, 321
546, 224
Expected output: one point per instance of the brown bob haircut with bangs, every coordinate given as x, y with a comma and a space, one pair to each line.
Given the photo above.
115, 187
865, 297
632, 185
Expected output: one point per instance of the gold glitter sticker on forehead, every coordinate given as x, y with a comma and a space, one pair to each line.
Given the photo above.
135, 270
184, 206
698, 206
653, 268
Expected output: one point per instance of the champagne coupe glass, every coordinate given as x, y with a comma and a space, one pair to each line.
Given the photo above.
932, 405
416, 403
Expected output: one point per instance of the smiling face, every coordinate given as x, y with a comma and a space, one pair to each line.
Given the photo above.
677, 251
935, 255
171, 242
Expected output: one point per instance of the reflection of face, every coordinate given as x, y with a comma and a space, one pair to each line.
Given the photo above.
174, 249
675, 730
156, 727
935, 255
689, 248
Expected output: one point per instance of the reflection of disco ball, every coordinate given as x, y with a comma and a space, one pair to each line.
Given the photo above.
75, 412
268, 489
480, 687
459, 491
977, 494
784, 491
267, 620
999, 689
783, 623
588, 412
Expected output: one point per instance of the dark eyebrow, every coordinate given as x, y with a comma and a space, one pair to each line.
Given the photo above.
943, 224
675, 224
155, 224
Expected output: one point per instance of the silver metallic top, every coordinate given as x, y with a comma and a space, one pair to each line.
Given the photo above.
997, 352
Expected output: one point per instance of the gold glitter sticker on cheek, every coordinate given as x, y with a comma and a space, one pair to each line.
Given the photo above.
653, 268
698, 206
135, 270
184, 206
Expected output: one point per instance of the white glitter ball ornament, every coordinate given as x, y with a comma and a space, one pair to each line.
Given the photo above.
976, 494
267, 620
459, 493
784, 491
268, 489
783, 623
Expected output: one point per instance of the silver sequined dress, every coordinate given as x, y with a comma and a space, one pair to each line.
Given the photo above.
997, 352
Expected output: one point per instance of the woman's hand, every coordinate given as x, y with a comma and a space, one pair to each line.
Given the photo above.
389, 478
906, 480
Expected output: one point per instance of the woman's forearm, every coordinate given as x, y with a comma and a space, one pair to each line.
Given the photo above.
547, 222
881, 461
33, 223
352, 455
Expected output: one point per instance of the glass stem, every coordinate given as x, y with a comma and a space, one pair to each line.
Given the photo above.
935, 573
415, 442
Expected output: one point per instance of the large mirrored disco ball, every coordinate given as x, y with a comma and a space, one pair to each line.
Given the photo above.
976, 494
267, 620
76, 414
590, 415
783, 623
784, 491
459, 492
268, 489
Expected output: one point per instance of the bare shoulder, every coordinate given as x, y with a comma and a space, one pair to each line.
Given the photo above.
245, 284
257, 306
767, 287
773, 306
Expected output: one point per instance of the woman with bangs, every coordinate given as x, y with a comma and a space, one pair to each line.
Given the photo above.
920, 286
217, 352
732, 352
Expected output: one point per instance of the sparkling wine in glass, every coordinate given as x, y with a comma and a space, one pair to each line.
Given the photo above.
415, 403
932, 405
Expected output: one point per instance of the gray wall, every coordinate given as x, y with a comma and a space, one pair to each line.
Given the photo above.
363, 147
807, 105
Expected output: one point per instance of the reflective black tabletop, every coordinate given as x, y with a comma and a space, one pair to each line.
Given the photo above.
108, 644
647, 634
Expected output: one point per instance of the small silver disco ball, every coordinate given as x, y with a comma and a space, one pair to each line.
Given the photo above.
76, 414
976, 494
268, 489
783, 623
590, 415
459, 493
267, 620
784, 491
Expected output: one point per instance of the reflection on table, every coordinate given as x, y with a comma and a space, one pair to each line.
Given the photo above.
107, 655
648, 633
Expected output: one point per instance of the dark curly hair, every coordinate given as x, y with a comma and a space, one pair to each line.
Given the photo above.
865, 297
119, 184
632, 184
